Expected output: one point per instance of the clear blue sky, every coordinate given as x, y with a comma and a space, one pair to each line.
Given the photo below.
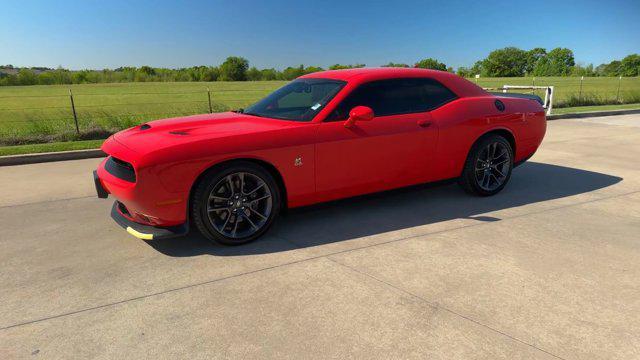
279, 33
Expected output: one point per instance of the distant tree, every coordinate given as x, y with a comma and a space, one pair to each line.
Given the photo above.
464, 72
398, 65
431, 63
10, 80
312, 69
506, 62
126, 73
477, 69
46, 78
579, 70
543, 67
93, 77
561, 61
253, 74
558, 62
27, 77
613, 68
533, 56
340, 66
79, 77
143, 77
630, 65
502, 62
147, 70
234, 68
195, 73
62, 76
291, 73
211, 73
269, 74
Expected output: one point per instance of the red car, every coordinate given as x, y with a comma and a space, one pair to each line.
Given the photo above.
323, 136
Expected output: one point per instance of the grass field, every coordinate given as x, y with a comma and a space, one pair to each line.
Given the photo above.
50, 147
42, 114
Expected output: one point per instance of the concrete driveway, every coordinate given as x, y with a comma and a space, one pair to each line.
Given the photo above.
549, 268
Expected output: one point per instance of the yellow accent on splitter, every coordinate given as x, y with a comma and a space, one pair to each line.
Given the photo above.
138, 234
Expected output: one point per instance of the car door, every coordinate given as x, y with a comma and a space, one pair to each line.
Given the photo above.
392, 150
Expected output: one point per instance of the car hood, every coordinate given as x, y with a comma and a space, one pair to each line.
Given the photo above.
160, 134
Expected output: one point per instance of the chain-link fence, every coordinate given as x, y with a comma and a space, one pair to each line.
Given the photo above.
30, 114
576, 91
87, 112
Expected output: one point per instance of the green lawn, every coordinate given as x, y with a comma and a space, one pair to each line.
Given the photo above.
42, 114
565, 87
94, 144
585, 109
50, 147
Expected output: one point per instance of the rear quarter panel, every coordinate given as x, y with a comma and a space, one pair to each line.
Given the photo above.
462, 122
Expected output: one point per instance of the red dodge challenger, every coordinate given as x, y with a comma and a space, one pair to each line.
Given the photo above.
324, 136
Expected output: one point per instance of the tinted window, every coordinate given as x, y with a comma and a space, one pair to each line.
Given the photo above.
396, 96
300, 100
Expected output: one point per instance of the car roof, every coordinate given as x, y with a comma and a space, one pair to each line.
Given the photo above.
345, 74
459, 85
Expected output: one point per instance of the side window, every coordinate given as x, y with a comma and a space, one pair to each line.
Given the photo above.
435, 94
395, 96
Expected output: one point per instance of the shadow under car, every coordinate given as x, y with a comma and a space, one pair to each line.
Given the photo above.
398, 209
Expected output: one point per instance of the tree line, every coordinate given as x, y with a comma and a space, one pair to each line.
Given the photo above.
506, 62
515, 62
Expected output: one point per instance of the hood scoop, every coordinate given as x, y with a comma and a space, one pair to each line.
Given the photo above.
145, 127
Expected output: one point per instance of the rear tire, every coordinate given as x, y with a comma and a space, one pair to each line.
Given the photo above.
488, 167
235, 203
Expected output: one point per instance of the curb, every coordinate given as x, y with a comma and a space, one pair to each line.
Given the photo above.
51, 156
593, 114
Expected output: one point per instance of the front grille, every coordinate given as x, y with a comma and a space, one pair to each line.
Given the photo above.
120, 169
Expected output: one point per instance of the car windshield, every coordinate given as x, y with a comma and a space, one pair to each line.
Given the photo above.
300, 100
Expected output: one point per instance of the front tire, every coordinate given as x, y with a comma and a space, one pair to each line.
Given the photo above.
488, 166
236, 203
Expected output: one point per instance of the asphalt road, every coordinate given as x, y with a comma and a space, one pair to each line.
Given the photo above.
549, 268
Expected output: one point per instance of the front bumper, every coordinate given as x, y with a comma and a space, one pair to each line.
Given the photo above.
146, 200
100, 190
141, 231
146, 232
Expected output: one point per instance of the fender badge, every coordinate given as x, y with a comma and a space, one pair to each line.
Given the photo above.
298, 161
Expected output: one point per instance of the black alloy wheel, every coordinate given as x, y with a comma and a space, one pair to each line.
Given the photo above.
235, 204
488, 166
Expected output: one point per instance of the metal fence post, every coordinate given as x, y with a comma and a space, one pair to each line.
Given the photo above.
209, 97
580, 93
618, 93
73, 109
533, 83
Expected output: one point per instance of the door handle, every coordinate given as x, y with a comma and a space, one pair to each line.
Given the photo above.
424, 123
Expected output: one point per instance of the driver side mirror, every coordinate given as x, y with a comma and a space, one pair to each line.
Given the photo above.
359, 113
